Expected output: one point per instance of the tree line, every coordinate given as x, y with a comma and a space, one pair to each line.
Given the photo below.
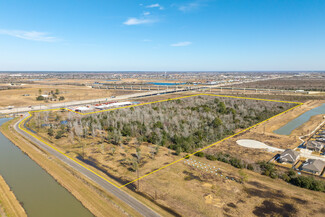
182, 125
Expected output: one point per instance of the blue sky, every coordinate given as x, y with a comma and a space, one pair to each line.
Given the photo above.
212, 35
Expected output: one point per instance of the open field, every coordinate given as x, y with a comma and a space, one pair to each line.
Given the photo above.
294, 83
196, 192
9, 205
294, 97
92, 81
14, 97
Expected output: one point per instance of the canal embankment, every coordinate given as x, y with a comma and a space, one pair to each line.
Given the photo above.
90, 196
300, 120
9, 205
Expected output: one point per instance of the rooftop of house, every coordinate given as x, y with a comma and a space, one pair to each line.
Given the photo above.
314, 165
289, 154
315, 144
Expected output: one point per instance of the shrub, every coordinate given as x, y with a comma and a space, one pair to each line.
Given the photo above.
211, 157
236, 162
199, 154
178, 150
268, 169
59, 135
250, 167
50, 132
40, 98
216, 122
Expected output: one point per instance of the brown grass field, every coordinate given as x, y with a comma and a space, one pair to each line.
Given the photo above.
295, 83
15, 97
295, 97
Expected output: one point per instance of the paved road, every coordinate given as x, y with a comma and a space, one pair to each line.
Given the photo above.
123, 196
83, 102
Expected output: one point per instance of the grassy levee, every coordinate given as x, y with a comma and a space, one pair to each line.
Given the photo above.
9, 205
95, 199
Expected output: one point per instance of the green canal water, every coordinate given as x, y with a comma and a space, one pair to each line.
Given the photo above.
39, 193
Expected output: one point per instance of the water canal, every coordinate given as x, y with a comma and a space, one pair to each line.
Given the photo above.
39, 193
297, 122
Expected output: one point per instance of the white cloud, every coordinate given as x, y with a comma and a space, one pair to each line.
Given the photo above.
146, 13
181, 44
135, 21
29, 35
155, 6
189, 6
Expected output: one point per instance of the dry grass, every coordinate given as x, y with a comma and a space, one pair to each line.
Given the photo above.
302, 83
309, 126
117, 160
15, 97
192, 192
9, 205
91, 81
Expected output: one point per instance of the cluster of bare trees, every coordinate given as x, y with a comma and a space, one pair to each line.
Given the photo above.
182, 125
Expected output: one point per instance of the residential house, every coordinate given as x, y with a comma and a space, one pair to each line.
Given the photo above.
315, 146
313, 166
288, 156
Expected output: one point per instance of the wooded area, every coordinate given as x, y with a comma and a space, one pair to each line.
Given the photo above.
182, 125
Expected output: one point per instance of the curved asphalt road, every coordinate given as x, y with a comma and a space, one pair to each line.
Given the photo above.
131, 201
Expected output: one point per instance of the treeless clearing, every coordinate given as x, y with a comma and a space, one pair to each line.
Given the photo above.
294, 97
302, 83
9, 205
108, 81
194, 192
15, 97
